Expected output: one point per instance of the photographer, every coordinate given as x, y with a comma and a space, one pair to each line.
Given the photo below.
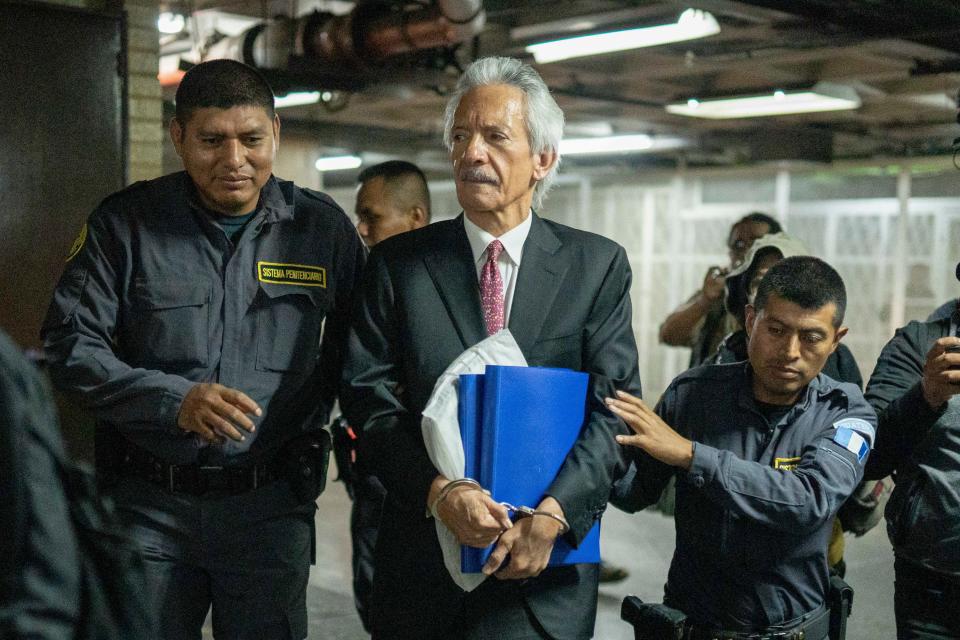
701, 322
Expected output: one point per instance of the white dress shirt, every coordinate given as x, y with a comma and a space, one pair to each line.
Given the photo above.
508, 263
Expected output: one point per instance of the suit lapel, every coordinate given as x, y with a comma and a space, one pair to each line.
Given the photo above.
450, 265
538, 282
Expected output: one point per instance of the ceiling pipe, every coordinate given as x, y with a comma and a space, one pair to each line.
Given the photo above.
371, 33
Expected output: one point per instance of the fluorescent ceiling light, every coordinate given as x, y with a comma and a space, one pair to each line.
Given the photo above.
609, 144
692, 24
296, 99
229, 24
632, 143
171, 22
592, 129
337, 163
822, 97
576, 24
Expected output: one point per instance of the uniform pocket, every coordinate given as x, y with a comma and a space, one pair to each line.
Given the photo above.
66, 297
170, 322
289, 325
909, 511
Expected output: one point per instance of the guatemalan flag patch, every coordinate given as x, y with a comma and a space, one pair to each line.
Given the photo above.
849, 437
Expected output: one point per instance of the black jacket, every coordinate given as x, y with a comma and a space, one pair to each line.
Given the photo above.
39, 565
920, 448
420, 309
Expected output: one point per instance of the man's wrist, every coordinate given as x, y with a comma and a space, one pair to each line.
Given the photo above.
686, 461
550, 511
557, 524
171, 407
435, 488
704, 301
447, 488
934, 403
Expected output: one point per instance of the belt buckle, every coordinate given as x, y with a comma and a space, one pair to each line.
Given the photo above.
204, 468
207, 473
182, 479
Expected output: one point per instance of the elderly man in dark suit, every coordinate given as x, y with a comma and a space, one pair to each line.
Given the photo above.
432, 293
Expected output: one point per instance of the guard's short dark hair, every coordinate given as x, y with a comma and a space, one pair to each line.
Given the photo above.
403, 174
222, 84
761, 218
807, 282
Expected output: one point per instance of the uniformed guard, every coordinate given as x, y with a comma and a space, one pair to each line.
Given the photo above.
765, 452
201, 319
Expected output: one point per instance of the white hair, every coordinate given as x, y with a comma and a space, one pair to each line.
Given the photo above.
542, 115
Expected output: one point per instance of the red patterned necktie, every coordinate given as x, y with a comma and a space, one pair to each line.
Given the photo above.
491, 289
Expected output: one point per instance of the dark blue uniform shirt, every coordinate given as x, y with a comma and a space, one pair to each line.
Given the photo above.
156, 298
755, 511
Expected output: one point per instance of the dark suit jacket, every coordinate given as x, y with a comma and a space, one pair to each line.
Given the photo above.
419, 310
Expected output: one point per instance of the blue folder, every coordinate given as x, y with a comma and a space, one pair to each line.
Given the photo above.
518, 424
469, 395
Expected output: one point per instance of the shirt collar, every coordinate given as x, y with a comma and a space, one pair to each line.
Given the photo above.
276, 199
512, 240
819, 387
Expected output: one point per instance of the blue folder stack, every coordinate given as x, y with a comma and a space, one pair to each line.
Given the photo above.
518, 424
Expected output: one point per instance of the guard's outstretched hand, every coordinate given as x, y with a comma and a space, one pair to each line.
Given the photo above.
652, 434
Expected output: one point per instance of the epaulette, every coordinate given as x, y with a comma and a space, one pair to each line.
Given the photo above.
725, 371
319, 196
133, 189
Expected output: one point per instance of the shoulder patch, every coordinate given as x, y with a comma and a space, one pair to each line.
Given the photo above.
78, 243
852, 442
864, 428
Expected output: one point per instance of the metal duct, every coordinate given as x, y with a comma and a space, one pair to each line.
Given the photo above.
371, 33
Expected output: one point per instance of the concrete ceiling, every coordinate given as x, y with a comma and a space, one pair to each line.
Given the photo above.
902, 57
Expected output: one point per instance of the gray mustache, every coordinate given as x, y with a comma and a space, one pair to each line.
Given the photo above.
477, 175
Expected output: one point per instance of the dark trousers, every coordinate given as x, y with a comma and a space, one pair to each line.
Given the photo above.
368, 495
926, 603
247, 556
495, 610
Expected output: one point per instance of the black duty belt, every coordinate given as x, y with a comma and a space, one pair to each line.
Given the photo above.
815, 628
194, 479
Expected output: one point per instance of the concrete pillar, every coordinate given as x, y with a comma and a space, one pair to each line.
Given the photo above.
145, 129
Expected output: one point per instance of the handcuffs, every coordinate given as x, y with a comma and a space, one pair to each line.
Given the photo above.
520, 512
